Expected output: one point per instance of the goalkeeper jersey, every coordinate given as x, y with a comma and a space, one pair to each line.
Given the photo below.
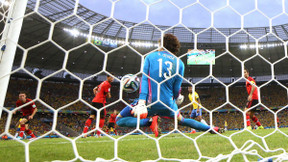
161, 65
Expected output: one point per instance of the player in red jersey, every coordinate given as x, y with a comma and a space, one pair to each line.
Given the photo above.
101, 92
28, 113
252, 100
112, 122
278, 122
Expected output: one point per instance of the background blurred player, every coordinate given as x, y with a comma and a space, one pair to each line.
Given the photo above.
252, 100
112, 122
101, 92
225, 126
196, 107
28, 113
278, 122
160, 66
18, 126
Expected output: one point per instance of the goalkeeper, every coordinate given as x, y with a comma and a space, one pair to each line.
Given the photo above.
160, 66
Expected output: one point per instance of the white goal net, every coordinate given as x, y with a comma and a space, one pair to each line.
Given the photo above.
57, 51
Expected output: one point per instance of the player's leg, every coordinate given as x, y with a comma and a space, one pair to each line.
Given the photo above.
200, 117
18, 128
89, 121
102, 120
17, 132
193, 115
278, 122
184, 121
115, 131
250, 115
254, 118
23, 127
248, 105
197, 125
110, 128
193, 123
28, 131
126, 119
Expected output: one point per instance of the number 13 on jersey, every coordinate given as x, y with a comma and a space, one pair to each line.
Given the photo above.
169, 68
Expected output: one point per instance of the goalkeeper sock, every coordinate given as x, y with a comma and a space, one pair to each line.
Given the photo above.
132, 122
87, 125
248, 120
194, 124
22, 129
255, 120
30, 133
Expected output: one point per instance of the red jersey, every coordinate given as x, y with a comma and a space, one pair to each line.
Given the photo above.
26, 110
112, 118
101, 93
249, 87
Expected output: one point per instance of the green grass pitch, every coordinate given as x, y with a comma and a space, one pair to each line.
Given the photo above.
139, 147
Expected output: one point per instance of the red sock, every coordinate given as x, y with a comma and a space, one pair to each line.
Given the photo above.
22, 129
30, 133
87, 125
255, 120
248, 120
101, 124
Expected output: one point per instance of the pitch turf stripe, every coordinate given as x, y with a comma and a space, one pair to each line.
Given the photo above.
134, 138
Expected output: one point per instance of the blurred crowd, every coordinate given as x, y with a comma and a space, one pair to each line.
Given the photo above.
59, 94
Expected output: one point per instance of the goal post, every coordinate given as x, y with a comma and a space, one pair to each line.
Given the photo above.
9, 40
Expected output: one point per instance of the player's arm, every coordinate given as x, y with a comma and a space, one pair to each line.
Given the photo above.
107, 91
34, 111
14, 112
95, 90
141, 109
252, 90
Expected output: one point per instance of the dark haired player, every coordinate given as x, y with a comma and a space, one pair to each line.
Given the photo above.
161, 67
252, 100
101, 92
28, 113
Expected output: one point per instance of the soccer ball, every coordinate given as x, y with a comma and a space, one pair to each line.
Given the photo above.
130, 83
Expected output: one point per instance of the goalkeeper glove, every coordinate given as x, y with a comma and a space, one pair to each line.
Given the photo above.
179, 99
140, 109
